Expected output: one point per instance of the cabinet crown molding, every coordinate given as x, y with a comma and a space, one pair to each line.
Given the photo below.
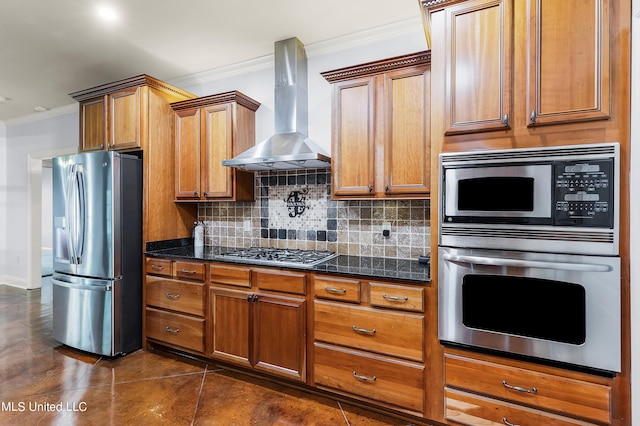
139, 80
377, 67
220, 98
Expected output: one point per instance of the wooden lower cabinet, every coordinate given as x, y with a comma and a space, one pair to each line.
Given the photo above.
384, 379
264, 331
469, 409
546, 393
175, 329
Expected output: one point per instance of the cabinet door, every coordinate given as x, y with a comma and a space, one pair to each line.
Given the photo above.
478, 61
188, 154
93, 125
568, 64
230, 335
124, 119
279, 339
353, 137
217, 145
407, 135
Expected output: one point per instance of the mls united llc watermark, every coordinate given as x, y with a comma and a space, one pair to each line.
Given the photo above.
24, 406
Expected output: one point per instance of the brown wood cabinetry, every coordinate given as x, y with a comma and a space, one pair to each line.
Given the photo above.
135, 115
369, 352
209, 130
175, 303
381, 129
496, 49
262, 326
488, 390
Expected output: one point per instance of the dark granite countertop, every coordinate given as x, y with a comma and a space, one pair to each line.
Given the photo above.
409, 270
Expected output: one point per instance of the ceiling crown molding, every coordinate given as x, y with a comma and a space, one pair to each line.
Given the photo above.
362, 38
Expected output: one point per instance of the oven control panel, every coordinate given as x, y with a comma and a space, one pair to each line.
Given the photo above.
584, 193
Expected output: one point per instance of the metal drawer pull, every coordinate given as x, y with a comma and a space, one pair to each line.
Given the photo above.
187, 271
396, 298
157, 267
172, 330
364, 378
508, 423
363, 330
335, 290
172, 296
518, 388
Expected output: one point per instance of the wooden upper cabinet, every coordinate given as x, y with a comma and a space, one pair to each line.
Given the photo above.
568, 75
209, 130
381, 128
353, 140
115, 116
478, 65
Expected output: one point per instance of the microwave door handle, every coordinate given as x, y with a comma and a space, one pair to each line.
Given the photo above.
516, 263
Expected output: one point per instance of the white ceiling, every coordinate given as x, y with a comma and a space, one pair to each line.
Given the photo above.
51, 48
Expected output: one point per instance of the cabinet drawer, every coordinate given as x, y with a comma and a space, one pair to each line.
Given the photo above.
397, 296
337, 289
232, 275
472, 410
158, 266
177, 295
175, 329
374, 377
561, 394
391, 333
287, 282
190, 270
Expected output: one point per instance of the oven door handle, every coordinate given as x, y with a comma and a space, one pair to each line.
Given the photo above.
516, 263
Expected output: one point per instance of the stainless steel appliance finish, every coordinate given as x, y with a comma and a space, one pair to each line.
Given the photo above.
289, 148
555, 199
277, 257
97, 288
563, 308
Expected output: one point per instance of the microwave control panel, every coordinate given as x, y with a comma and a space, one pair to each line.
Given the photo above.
584, 193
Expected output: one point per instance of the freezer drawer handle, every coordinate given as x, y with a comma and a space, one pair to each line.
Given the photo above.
83, 287
364, 378
363, 330
396, 298
516, 263
518, 388
335, 290
171, 330
172, 296
189, 271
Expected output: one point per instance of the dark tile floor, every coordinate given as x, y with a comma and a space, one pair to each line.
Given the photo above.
45, 383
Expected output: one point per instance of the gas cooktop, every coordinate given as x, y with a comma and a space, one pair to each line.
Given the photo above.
277, 257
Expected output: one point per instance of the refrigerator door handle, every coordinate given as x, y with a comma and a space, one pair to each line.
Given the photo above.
82, 220
69, 213
82, 286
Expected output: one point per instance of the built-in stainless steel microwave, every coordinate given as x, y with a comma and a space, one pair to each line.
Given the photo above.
558, 199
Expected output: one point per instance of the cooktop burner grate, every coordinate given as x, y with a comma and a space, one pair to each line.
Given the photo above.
277, 257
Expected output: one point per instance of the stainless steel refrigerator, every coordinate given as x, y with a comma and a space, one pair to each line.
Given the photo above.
97, 252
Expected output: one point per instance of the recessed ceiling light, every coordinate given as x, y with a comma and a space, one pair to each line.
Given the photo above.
40, 109
107, 13
4, 99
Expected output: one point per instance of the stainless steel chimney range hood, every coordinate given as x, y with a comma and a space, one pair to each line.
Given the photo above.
289, 147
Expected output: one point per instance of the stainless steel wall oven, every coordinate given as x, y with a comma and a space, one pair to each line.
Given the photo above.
528, 253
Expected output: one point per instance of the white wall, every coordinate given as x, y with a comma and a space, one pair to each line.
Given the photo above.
24, 142
635, 211
3, 199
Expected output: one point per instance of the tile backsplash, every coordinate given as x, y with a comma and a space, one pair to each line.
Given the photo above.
293, 209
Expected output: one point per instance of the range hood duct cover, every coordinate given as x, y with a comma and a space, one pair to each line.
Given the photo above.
290, 147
